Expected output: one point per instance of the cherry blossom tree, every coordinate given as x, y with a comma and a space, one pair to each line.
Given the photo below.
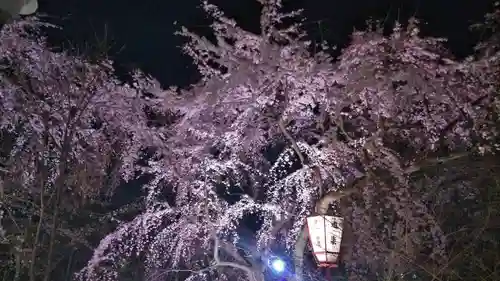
273, 132
70, 132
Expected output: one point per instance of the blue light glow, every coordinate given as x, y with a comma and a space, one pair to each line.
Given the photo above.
278, 265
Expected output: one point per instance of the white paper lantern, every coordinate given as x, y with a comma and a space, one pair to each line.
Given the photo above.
19, 7
325, 235
30, 7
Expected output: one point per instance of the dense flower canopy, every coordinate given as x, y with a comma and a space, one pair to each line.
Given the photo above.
272, 127
64, 117
70, 133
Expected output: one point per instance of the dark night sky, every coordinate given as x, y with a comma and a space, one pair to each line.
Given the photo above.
142, 30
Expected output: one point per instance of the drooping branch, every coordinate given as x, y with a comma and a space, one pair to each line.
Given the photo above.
217, 262
329, 198
294, 143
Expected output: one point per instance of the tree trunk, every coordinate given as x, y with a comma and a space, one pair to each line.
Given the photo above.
299, 252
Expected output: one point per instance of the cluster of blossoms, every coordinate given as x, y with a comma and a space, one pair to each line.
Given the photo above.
63, 110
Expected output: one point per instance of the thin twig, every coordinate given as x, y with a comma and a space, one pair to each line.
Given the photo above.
435, 161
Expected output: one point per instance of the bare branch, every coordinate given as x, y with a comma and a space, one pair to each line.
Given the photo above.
250, 273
